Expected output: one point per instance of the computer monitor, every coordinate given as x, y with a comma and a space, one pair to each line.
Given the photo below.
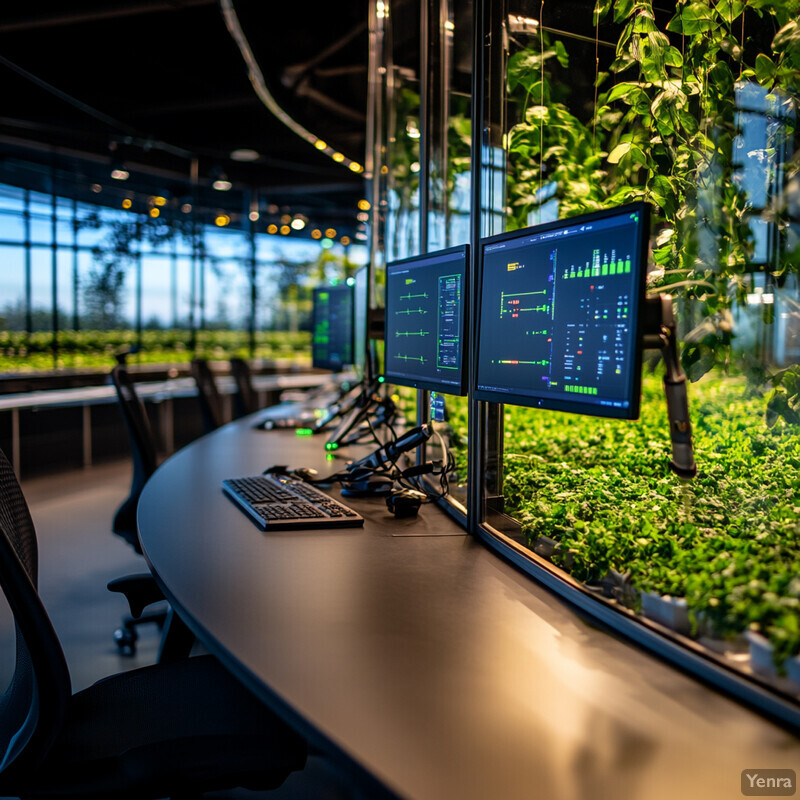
425, 331
332, 327
559, 314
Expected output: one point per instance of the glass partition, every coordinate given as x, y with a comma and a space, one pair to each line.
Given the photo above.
693, 110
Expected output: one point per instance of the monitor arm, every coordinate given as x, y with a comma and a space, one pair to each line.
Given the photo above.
660, 332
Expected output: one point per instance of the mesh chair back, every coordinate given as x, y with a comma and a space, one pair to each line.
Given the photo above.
208, 394
143, 452
245, 400
33, 707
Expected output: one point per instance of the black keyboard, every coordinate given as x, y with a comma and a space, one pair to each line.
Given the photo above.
280, 502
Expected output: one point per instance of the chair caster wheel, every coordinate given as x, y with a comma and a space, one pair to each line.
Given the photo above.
125, 639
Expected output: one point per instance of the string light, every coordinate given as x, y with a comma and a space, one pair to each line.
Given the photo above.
316, 233
154, 212
330, 233
272, 228
127, 203
222, 220
285, 230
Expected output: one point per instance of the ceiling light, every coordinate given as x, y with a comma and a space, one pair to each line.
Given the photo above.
298, 223
222, 184
222, 220
245, 154
120, 174
338, 158
254, 215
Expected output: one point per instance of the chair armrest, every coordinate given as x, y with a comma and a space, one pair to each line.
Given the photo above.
140, 591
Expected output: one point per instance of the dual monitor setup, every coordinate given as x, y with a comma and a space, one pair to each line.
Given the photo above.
560, 321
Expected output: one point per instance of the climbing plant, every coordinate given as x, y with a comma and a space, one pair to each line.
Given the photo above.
665, 128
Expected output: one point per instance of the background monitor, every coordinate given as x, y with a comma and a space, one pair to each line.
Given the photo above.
425, 330
332, 327
559, 312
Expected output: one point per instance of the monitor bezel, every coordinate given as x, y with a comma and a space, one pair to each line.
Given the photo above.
575, 406
328, 364
454, 389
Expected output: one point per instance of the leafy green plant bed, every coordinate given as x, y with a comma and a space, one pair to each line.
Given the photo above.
601, 493
22, 352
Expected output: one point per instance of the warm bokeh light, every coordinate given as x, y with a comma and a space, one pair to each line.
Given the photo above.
272, 228
160, 201
362, 217
186, 208
337, 157
97, 188
364, 205
316, 233
120, 174
254, 216
222, 185
222, 220
355, 166
154, 212
285, 230
298, 223
320, 145
127, 203
345, 240
286, 219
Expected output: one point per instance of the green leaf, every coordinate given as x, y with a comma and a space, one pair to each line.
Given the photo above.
730, 10
561, 54
618, 152
765, 69
622, 10
621, 91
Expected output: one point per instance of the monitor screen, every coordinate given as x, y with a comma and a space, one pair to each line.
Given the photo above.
559, 314
425, 330
332, 327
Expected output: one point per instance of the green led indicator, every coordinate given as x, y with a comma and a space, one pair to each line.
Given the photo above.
331, 446
381, 379
304, 432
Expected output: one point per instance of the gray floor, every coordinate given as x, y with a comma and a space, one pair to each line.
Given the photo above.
78, 555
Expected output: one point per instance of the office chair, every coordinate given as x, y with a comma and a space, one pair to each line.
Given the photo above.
141, 589
208, 395
245, 400
175, 728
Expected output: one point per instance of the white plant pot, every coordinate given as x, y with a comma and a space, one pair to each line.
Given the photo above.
792, 666
761, 652
671, 612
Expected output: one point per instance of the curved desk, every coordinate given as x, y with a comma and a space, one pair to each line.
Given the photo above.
432, 667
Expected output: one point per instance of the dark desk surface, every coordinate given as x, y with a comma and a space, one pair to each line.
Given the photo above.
430, 662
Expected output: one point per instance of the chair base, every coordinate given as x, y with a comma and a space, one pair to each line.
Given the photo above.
126, 636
